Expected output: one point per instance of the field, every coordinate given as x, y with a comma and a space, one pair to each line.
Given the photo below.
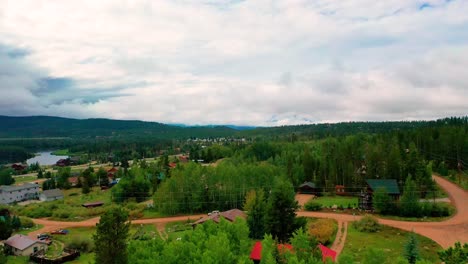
61, 152
70, 208
23, 179
344, 201
390, 240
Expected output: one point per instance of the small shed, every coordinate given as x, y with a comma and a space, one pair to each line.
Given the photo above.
93, 204
340, 190
308, 188
21, 245
51, 195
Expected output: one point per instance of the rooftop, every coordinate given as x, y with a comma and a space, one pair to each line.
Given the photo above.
388, 184
8, 188
20, 242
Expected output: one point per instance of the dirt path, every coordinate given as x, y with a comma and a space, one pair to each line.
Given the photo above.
445, 233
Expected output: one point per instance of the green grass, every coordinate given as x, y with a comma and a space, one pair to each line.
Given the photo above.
54, 250
390, 240
23, 179
27, 231
61, 152
460, 179
17, 260
344, 201
83, 259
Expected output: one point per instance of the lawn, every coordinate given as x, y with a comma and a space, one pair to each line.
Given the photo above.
390, 240
344, 201
23, 179
61, 152
29, 230
83, 259
17, 260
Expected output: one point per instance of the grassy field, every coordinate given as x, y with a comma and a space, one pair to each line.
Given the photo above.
390, 240
83, 259
17, 260
344, 201
61, 152
27, 231
23, 179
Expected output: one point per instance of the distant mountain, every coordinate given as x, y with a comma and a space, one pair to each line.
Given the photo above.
48, 126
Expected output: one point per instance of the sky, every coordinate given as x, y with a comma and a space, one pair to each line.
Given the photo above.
258, 63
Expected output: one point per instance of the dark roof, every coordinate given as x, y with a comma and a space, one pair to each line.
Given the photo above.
52, 193
229, 215
20, 242
307, 184
389, 184
93, 204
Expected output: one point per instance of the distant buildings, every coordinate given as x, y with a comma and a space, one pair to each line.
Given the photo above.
11, 194
389, 185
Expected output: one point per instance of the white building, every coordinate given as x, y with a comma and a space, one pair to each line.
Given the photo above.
11, 194
51, 195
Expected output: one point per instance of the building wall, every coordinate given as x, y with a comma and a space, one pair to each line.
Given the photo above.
48, 199
28, 251
7, 197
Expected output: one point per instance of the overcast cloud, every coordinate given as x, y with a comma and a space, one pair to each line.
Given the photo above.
235, 62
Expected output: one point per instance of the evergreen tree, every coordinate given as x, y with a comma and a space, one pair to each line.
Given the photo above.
411, 249
5, 227
255, 206
40, 174
455, 255
3, 257
85, 189
382, 202
409, 202
15, 223
281, 211
111, 237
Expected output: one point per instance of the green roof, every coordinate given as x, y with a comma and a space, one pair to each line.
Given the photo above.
389, 184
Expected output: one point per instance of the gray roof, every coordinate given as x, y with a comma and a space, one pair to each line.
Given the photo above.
390, 185
52, 193
21, 242
307, 184
12, 188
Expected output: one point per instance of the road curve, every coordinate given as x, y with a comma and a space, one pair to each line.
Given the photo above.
445, 233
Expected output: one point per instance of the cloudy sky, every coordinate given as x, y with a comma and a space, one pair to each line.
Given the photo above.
235, 62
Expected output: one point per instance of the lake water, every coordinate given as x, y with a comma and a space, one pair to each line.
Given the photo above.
45, 158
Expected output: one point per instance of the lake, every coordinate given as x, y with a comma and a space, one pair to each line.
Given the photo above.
45, 158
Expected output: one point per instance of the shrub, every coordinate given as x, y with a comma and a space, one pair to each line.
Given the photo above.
312, 206
81, 244
367, 224
435, 209
26, 222
323, 230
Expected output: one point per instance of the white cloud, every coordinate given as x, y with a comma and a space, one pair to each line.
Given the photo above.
238, 62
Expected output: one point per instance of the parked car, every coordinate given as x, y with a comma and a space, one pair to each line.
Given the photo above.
43, 236
60, 232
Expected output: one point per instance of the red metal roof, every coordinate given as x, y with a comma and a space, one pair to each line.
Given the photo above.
256, 253
172, 165
327, 253
113, 170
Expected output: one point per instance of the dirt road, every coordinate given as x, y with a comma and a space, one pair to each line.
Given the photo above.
445, 233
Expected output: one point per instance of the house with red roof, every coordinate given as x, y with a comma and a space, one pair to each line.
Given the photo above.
21, 245
172, 165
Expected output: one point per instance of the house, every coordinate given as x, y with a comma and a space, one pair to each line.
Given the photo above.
19, 166
21, 245
172, 165
308, 188
51, 195
11, 194
93, 204
183, 159
229, 215
340, 190
256, 253
73, 181
390, 185
63, 162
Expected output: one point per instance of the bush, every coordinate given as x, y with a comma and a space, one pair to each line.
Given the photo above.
312, 206
367, 224
323, 230
26, 222
435, 209
82, 244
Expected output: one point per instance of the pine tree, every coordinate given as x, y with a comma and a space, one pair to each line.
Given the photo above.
255, 206
410, 200
281, 211
411, 249
111, 237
